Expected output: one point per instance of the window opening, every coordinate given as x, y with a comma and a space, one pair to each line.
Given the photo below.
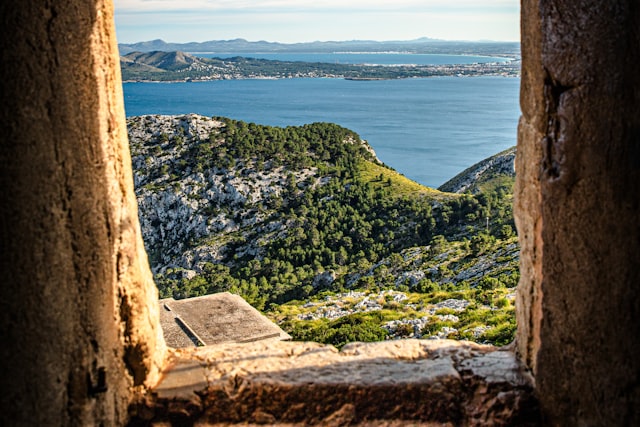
229, 205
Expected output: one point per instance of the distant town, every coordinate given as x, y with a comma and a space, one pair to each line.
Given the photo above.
160, 61
180, 66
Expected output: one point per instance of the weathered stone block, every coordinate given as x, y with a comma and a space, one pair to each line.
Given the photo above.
403, 381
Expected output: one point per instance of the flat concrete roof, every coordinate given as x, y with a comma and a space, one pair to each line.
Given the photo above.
214, 319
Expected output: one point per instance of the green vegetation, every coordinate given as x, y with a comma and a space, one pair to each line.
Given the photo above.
488, 317
363, 327
341, 221
378, 176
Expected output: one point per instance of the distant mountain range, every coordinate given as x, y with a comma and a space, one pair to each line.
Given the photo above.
421, 45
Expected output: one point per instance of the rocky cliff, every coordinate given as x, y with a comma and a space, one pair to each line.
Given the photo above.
280, 215
195, 203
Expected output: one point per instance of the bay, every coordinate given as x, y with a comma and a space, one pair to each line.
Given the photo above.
427, 129
390, 58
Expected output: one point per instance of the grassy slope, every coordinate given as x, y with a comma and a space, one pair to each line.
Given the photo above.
379, 176
489, 317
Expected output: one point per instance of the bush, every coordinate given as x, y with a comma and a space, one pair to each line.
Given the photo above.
502, 303
362, 327
404, 330
506, 231
481, 242
501, 335
356, 327
487, 283
426, 286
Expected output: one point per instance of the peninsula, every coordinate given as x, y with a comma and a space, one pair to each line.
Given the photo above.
160, 66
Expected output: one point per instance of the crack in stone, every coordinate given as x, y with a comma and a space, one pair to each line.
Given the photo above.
553, 144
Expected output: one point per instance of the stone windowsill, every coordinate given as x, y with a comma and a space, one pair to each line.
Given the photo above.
420, 382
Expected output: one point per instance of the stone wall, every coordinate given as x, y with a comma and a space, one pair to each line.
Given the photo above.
390, 383
78, 309
578, 208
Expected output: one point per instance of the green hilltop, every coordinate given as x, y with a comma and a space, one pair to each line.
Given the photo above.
311, 228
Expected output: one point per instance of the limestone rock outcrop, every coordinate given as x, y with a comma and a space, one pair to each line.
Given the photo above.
471, 178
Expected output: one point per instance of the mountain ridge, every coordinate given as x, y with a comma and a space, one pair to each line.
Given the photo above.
161, 60
420, 45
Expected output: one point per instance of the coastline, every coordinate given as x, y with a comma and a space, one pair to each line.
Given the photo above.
138, 69
510, 73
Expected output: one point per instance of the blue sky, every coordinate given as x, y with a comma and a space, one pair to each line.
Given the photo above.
290, 21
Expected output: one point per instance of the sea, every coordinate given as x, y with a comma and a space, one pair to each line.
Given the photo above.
388, 58
429, 129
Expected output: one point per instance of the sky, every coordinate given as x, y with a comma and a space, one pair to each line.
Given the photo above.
291, 21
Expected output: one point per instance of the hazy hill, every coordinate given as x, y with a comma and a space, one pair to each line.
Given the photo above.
162, 60
421, 45
306, 223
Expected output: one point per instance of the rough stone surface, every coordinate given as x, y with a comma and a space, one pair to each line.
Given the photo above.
527, 212
78, 313
578, 209
448, 382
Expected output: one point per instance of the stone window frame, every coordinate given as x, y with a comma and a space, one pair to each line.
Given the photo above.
82, 312
479, 373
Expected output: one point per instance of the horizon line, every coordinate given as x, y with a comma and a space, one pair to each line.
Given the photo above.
425, 38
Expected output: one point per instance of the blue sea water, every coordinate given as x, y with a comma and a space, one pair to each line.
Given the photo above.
429, 129
391, 58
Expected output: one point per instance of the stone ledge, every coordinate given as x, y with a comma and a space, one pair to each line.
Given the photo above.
420, 382
214, 319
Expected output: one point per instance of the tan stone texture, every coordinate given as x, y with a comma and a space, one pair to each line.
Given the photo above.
527, 208
578, 208
395, 382
79, 311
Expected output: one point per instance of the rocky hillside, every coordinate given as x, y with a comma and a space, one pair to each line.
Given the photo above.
201, 202
472, 179
161, 60
288, 217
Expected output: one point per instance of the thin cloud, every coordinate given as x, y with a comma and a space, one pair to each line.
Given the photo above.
309, 5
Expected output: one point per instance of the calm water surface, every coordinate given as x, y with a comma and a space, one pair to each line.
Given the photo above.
365, 58
428, 129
